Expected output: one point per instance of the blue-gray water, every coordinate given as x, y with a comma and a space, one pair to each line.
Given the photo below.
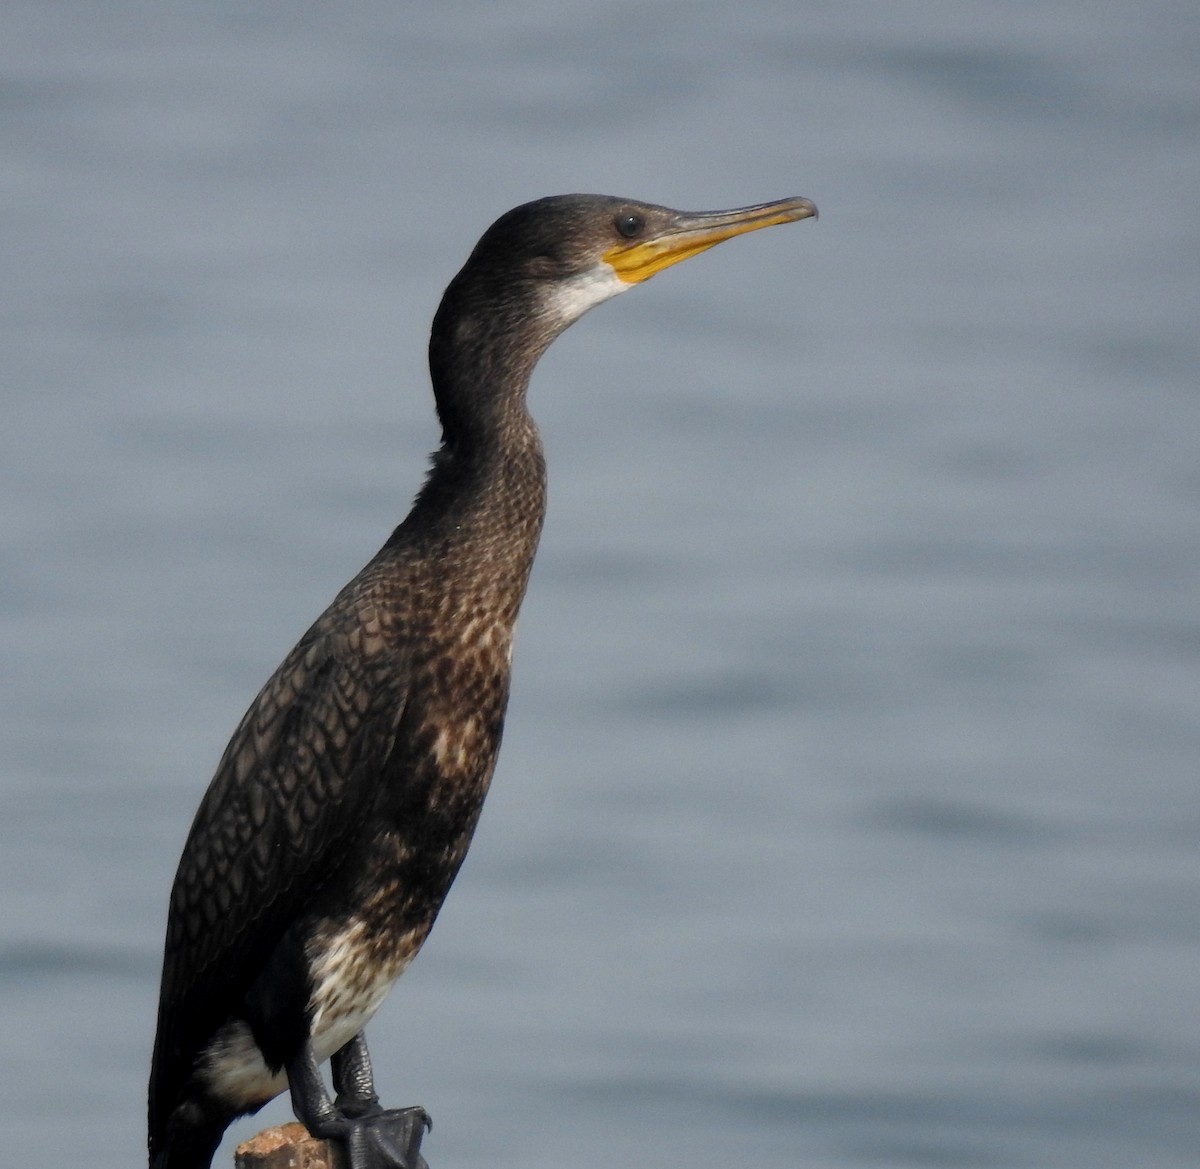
848, 812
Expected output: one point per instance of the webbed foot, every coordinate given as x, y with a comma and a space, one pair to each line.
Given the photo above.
388, 1139
372, 1137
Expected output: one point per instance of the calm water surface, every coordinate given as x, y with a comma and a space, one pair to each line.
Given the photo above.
848, 810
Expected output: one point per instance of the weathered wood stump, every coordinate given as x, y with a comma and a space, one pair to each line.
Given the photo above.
287, 1146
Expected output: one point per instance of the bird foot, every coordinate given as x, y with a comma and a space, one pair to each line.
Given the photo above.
388, 1139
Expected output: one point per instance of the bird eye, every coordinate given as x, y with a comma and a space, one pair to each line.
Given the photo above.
629, 224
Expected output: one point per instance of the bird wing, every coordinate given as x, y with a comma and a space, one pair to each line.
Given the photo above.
298, 776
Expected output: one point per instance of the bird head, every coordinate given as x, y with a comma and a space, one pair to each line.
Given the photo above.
571, 252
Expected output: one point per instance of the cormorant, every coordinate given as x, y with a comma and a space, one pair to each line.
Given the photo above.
345, 801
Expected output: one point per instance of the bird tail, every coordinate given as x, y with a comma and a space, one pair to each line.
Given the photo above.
190, 1140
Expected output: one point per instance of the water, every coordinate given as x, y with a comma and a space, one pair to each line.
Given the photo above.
847, 814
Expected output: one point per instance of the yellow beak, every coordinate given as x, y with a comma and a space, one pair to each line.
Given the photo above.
690, 233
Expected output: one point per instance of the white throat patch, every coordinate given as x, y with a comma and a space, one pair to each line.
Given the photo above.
570, 299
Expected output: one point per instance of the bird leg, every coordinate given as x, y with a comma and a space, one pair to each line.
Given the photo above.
384, 1139
354, 1080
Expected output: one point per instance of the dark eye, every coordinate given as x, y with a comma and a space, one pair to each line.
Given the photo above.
629, 224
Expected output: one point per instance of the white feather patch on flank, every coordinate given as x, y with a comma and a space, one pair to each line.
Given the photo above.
235, 1071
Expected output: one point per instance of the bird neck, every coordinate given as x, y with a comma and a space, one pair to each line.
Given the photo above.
481, 405
486, 490
486, 338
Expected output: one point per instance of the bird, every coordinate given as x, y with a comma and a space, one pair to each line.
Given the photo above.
344, 803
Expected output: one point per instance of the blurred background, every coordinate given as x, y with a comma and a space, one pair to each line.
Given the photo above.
848, 809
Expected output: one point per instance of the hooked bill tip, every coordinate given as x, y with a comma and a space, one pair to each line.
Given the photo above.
800, 208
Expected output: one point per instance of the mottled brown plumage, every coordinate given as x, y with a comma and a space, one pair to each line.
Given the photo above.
346, 799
